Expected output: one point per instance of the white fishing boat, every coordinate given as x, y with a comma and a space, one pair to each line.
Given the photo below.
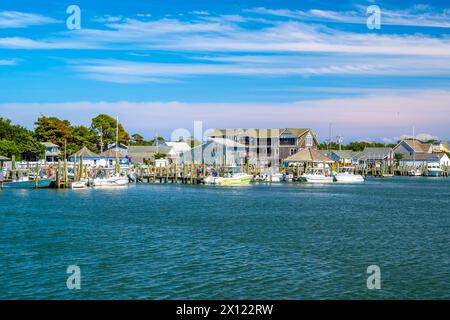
113, 181
347, 175
232, 177
414, 172
317, 176
269, 177
78, 184
434, 169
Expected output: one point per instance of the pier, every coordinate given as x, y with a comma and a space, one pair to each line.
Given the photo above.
63, 173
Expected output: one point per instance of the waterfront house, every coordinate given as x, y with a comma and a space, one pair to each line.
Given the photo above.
109, 158
408, 147
375, 156
215, 151
123, 149
344, 157
89, 158
3, 160
51, 152
441, 146
266, 147
425, 158
141, 154
176, 149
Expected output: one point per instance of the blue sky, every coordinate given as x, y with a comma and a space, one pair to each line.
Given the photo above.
160, 65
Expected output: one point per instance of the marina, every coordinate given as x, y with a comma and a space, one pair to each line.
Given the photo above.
78, 176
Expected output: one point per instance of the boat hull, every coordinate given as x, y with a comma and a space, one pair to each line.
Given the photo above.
44, 183
233, 181
434, 173
107, 183
78, 185
313, 178
349, 178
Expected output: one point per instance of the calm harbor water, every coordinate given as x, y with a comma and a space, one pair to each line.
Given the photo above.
286, 241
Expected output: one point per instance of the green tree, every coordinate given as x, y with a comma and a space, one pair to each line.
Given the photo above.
397, 158
52, 129
18, 141
105, 126
137, 139
84, 137
153, 141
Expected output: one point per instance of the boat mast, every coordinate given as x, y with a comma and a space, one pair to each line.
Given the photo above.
117, 131
414, 147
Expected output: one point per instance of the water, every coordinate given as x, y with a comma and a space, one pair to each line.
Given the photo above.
259, 242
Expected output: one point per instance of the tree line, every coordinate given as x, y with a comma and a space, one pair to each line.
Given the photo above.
20, 142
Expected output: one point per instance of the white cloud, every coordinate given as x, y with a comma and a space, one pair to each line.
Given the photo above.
15, 19
9, 62
107, 18
228, 35
204, 13
417, 16
420, 136
123, 71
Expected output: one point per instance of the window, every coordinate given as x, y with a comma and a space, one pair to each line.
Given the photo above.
309, 140
292, 151
287, 141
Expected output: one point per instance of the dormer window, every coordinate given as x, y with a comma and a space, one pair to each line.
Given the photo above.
309, 140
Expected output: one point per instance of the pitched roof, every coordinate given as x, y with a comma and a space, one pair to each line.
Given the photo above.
2, 158
370, 153
49, 144
147, 152
308, 155
424, 157
297, 131
259, 133
111, 153
227, 142
84, 152
344, 154
418, 145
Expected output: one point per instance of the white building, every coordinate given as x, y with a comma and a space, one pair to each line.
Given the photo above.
215, 151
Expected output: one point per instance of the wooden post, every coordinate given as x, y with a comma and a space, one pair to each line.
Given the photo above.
66, 174
36, 177
81, 168
175, 173
58, 174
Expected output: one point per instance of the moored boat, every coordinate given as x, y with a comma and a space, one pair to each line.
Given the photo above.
434, 170
233, 177
78, 184
347, 175
317, 178
113, 181
27, 184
